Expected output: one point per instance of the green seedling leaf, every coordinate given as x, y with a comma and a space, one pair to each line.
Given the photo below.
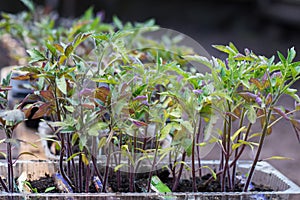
201, 59
208, 132
282, 58
61, 84
254, 135
73, 156
235, 146
165, 131
118, 22
202, 144
71, 109
139, 90
94, 129
51, 48
29, 4
292, 93
49, 189
291, 55
119, 167
158, 186
36, 56
187, 145
213, 173
251, 115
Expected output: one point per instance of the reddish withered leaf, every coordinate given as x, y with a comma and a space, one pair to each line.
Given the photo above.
48, 95
102, 93
43, 110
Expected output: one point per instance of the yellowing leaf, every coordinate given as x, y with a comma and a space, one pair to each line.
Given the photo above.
278, 158
237, 133
85, 160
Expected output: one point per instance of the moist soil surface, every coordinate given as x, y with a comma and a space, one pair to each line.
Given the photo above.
141, 182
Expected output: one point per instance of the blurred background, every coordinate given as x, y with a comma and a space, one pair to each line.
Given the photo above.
264, 26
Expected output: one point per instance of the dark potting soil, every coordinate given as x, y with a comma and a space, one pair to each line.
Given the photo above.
141, 182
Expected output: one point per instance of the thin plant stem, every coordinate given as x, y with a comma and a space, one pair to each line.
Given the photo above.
260, 145
10, 168
193, 155
94, 161
119, 177
61, 158
107, 167
153, 164
179, 173
198, 147
236, 151
80, 173
87, 178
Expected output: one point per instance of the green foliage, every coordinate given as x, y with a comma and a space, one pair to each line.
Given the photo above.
111, 91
